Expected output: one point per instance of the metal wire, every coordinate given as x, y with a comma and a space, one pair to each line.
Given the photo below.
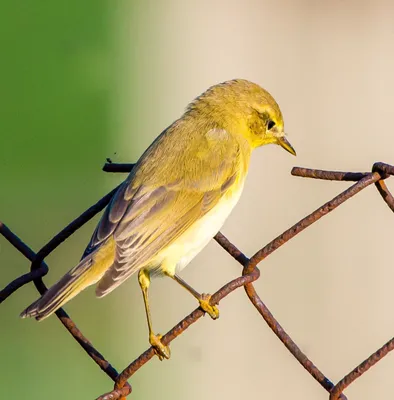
250, 273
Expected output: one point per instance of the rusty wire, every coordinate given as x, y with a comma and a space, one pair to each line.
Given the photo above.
250, 273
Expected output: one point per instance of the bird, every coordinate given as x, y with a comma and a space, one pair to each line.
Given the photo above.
176, 198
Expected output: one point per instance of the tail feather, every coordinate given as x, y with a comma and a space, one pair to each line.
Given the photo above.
66, 288
86, 273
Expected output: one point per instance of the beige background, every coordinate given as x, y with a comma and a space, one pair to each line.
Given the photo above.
330, 66
84, 80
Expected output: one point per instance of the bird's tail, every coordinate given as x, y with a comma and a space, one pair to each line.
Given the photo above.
86, 273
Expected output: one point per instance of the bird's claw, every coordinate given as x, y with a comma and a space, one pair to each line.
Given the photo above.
213, 311
162, 351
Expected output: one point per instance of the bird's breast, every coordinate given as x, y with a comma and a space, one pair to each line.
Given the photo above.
187, 246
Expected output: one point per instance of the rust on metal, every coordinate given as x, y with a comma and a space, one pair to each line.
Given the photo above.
250, 273
360, 369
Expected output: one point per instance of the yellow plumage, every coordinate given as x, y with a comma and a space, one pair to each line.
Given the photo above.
176, 198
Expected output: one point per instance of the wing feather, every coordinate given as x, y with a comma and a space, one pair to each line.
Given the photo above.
139, 214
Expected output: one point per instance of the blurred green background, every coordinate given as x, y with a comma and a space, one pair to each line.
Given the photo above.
59, 78
82, 81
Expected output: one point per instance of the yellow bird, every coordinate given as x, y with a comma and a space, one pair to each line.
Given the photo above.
176, 198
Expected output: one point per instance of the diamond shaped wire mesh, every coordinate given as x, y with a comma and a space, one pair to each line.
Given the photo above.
250, 273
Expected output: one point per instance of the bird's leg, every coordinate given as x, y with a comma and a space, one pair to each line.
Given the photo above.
162, 351
203, 299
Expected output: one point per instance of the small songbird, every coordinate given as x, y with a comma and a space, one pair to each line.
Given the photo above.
175, 199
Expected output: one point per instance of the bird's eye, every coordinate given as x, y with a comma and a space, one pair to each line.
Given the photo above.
270, 124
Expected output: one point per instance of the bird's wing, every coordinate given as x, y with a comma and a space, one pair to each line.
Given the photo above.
148, 214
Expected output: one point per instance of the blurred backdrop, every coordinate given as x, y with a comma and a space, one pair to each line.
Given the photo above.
82, 81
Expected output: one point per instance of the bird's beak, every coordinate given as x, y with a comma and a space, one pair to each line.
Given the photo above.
284, 143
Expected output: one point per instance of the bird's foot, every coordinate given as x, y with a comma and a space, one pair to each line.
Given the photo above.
162, 351
213, 311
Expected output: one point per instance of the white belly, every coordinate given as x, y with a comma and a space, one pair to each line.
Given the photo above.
183, 250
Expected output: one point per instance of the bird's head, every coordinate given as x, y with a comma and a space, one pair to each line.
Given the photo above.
243, 107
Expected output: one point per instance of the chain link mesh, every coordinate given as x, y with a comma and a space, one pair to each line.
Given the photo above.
250, 273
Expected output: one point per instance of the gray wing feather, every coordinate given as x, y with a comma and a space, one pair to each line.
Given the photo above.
131, 255
137, 214
111, 217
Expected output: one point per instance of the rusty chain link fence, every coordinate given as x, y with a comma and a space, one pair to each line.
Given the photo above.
250, 273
